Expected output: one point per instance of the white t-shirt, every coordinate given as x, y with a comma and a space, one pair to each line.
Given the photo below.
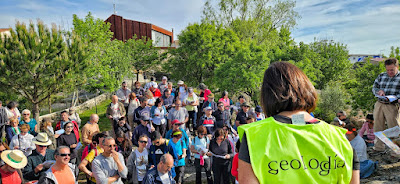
116, 112
360, 147
141, 162
160, 119
164, 178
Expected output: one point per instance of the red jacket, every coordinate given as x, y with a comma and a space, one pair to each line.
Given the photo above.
156, 93
234, 170
76, 128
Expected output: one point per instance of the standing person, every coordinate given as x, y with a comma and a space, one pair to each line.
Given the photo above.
123, 95
210, 103
150, 98
65, 119
12, 130
181, 91
138, 160
168, 99
23, 141
191, 102
175, 127
259, 114
90, 129
163, 85
280, 138
134, 103
89, 153
68, 139
62, 171
387, 83
204, 92
202, 158
159, 116
30, 121
125, 128
138, 90
208, 121
142, 111
238, 104
109, 167
159, 147
225, 100
115, 111
243, 114
173, 90
222, 153
74, 116
368, 128
124, 145
12, 110
222, 116
156, 92
162, 173
3, 120
178, 113
37, 160
46, 127
151, 83
144, 128
180, 148
10, 172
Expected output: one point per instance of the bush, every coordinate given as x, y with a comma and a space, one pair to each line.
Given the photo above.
331, 99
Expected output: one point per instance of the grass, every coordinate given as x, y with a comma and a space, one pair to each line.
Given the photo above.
104, 122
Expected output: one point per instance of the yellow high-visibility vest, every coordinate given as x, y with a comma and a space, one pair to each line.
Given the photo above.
289, 153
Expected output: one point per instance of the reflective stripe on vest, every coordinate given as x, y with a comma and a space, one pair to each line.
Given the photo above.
287, 153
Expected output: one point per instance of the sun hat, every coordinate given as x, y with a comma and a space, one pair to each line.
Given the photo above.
208, 108
211, 95
245, 104
180, 82
14, 158
41, 139
164, 78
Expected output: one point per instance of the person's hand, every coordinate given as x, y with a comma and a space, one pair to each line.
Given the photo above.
90, 174
114, 154
381, 93
227, 156
73, 146
184, 155
209, 136
38, 168
16, 147
110, 117
209, 154
152, 166
152, 128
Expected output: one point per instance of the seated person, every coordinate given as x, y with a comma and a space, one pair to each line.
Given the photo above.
367, 130
338, 122
367, 167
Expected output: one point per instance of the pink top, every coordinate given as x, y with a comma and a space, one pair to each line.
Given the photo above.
370, 132
226, 102
206, 93
234, 170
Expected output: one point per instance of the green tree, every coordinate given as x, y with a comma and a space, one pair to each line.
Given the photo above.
360, 87
331, 99
37, 62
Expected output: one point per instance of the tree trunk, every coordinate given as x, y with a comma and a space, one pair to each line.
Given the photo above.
35, 111
49, 103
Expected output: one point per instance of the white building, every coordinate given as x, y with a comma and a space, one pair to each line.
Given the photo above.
361, 57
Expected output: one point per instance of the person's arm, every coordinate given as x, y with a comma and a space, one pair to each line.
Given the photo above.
82, 167
119, 160
234, 170
30, 171
101, 178
355, 179
362, 130
130, 163
122, 108
9, 134
246, 174
85, 136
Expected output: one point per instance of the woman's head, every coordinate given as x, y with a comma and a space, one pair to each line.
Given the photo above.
132, 95
286, 88
225, 94
177, 134
201, 131
143, 139
137, 84
219, 135
14, 122
120, 136
24, 128
11, 105
159, 102
44, 124
26, 113
68, 127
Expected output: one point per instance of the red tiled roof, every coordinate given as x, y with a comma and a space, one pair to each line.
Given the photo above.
4, 29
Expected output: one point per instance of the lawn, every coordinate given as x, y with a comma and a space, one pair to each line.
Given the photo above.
104, 122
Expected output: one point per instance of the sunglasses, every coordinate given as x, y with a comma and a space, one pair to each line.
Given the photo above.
143, 142
69, 126
220, 138
94, 143
203, 134
220, 106
25, 114
65, 154
42, 146
225, 129
112, 145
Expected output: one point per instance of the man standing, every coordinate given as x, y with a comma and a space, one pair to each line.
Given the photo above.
109, 167
222, 116
163, 84
161, 173
178, 113
123, 95
90, 129
387, 83
141, 112
65, 119
115, 111
36, 161
243, 114
62, 171
168, 99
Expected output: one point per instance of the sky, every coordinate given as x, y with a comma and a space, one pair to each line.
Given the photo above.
365, 26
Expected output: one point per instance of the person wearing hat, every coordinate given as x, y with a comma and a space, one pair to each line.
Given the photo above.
156, 92
190, 103
175, 127
143, 128
178, 113
35, 165
181, 90
338, 122
222, 116
14, 160
243, 114
208, 120
210, 103
163, 85
62, 171
115, 111
259, 114
159, 147
74, 116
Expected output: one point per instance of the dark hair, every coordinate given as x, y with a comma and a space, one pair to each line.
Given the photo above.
57, 151
143, 99
124, 82
153, 78
342, 112
65, 125
201, 129
241, 96
158, 100
219, 132
137, 82
155, 135
370, 116
143, 135
220, 103
237, 145
64, 112
392, 61
11, 105
286, 88
97, 136
132, 95
121, 119
224, 93
351, 128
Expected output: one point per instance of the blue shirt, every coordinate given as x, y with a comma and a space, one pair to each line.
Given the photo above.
178, 147
32, 123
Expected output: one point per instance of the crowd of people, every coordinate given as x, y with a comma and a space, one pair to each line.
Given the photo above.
159, 129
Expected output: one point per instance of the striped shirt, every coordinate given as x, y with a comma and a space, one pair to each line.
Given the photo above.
390, 85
